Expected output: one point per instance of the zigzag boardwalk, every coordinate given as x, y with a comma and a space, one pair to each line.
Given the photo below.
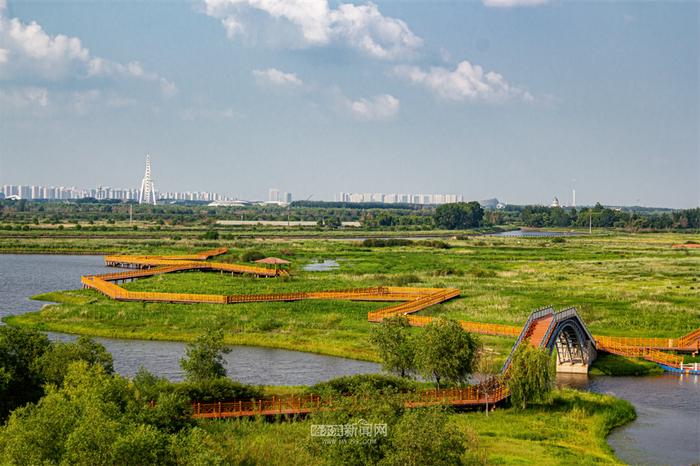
545, 328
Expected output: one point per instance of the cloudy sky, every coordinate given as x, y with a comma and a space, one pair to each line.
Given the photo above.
518, 99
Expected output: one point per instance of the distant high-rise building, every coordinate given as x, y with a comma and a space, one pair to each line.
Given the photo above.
273, 195
147, 195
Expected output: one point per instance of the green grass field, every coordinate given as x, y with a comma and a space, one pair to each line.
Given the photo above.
626, 285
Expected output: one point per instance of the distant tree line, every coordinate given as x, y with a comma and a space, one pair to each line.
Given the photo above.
111, 215
603, 217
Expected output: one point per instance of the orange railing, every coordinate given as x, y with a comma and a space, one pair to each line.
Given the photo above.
649, 354
691, 340
667, 343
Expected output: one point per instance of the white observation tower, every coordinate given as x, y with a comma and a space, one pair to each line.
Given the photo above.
147, 194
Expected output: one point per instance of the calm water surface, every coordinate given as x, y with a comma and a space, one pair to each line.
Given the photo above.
322, 266
534, 233
667, 430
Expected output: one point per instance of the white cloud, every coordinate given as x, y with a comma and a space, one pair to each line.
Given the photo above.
314, 23
191, 114
28, 47
27, 51
99, 67
466, 83
382, 107
24, 97
276, 77
513, 3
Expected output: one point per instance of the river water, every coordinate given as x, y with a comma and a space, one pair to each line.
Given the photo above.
667, 429
534, 233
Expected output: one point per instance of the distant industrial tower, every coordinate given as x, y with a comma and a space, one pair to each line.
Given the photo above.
147, 194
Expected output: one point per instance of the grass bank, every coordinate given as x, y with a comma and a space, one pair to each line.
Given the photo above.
612, 364
571, 430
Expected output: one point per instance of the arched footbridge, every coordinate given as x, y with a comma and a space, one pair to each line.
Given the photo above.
563, 331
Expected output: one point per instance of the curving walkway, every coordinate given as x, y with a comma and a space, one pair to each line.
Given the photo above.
545, 328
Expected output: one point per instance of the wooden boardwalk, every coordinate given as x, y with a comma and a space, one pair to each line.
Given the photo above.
486, 394
410, 301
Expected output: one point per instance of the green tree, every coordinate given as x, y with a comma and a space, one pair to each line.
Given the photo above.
36, 434
210, 234
54, 363
141, 444
351, 448
488, 369
204, 358
425, 436
415, 437
93, 419
445, 352
396, 348
252, 255
530, 376
20, 377
195, 447
459, 215
334, 222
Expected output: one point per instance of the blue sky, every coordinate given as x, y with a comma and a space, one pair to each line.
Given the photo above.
518, 99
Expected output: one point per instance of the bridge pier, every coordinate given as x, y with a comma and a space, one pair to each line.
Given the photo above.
575, 359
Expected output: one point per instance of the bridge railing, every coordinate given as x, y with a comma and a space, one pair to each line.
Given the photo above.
691, 340
649, 354
669, 343
538, 314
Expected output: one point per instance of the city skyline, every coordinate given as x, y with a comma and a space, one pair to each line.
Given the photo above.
514, 100
147, 194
